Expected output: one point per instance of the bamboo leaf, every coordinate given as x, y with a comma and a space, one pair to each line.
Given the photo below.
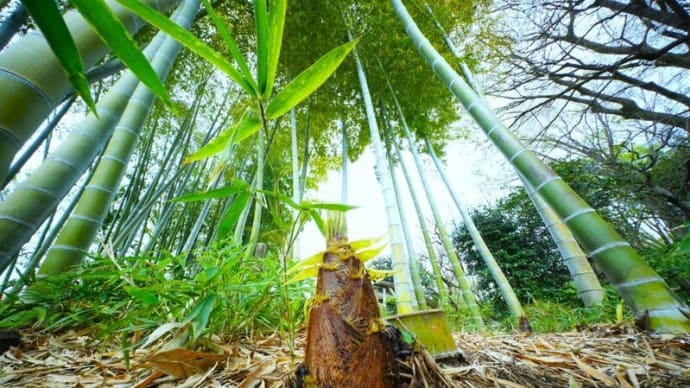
285, 199
48, 19
201, 314
233, 214
379, 274
261, 20
213, 147
159, 332
328, 206
276, 23
359, 245
308, 81
369, 254
115, 35
142, 295
245, 127
318, 221
307, 272
188, 39
230, 43
235, 187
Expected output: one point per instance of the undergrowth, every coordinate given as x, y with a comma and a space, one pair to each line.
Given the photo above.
142, 299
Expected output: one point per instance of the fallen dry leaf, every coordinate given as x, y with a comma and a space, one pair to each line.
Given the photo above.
182, 363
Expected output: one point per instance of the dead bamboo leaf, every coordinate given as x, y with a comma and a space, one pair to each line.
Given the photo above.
255, 376
622, 381
546, 359
182, 363
506, 383
594, 373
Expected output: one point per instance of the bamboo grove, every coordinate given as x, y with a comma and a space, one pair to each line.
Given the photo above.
260, 101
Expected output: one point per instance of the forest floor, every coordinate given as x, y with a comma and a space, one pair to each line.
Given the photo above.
594, 357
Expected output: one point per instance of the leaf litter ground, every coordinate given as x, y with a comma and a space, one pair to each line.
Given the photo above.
599, 356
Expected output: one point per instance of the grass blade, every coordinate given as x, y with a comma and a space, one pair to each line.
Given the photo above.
261, 19
114, 34
276, 23
308, 81
187, 39
49, 20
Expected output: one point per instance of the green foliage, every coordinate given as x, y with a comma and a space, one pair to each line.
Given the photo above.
163, 297
313, 25
188, 40
308, 81
671, 263
552, 317
643, 186
521, 244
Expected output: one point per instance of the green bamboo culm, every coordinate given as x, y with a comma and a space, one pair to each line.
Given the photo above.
497, 274
588, 287
34, 199
441, 286
30, 90
407, 235
643, 290
465, 287
80, 230
401, 277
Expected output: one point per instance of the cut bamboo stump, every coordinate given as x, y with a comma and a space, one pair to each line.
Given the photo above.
430, 328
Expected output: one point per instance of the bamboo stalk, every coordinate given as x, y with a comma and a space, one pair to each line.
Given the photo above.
403, 292
645, 292
22, 212
30, 89
497, 274
78, 233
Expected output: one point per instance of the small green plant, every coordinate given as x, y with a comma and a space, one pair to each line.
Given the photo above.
151, 298
554, 317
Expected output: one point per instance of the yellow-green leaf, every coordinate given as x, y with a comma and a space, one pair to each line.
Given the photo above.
378, 274
307, 272
311, 260
245, 127
368, 254
359, 245
308, 81
236, 186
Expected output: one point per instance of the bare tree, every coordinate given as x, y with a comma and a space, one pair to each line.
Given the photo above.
607, 80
